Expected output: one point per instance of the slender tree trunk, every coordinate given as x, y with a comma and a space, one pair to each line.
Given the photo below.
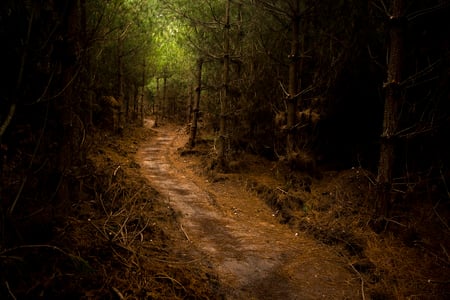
135, 101
164, 103
196, 108
120, 84
393, 100
225, 88
190, 105
293, 81
143, 92
157, 101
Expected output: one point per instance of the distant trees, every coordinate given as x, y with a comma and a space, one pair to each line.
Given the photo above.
211, 36
121, 41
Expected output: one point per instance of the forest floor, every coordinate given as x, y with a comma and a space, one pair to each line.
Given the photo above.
269, 233
253, 255
152, 219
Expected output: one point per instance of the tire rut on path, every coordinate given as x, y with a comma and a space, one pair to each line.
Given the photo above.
254, 256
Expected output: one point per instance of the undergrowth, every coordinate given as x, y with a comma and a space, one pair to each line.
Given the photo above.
117, 241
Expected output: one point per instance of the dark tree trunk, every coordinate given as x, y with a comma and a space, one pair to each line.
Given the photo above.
164, 102
157, 102
143, 92
120, 82
135, 101
225, 88
393, 100
190, 105
196, 108
293, 80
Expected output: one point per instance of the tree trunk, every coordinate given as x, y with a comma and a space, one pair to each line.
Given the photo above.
195, 110
143, 92
135, 101
393, 100
157, 101
293, 81
225, 88
164, 103
120, 82
190, 105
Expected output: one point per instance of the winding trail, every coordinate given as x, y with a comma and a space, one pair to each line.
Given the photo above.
254, 256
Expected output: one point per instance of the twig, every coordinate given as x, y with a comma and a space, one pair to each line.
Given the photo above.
281, 190
440, 218
83, 138
103, 233
187, 236
100, 198
115, 171
119, 294
363, 296
139, 233
304, 91
445, 251
171, 279
284, 90
395, 222
13, 205
120, 231
8, 119
9, 290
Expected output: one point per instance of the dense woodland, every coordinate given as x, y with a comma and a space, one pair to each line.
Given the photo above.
314, 85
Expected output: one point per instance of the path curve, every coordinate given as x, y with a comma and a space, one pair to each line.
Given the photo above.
254, 256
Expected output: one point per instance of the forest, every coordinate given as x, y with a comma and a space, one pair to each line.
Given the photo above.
313, 89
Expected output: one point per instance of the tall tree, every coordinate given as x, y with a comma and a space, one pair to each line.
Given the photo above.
157, 100
393, 102
290, 13
224, 96
196, 106
293, 92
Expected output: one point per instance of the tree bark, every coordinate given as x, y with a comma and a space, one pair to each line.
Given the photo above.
196, 108
143, 91
393, 100
164, 102
157, 101
190, 105
225, 88
293, 80
120, 81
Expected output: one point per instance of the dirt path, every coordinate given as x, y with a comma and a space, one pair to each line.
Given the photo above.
254, 256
